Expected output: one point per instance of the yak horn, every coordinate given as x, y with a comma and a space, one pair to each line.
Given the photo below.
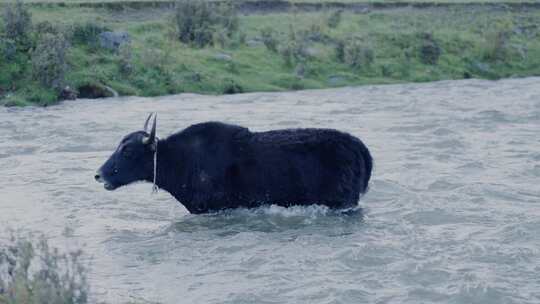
152, 137
146, 122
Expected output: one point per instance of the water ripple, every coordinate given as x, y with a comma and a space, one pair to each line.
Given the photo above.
451, 216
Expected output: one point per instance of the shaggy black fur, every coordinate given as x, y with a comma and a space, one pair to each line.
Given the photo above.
213, 166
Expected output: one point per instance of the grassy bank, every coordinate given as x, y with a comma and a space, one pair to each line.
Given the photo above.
274, 52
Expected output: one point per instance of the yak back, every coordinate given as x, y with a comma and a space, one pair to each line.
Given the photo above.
221, 166
314, 164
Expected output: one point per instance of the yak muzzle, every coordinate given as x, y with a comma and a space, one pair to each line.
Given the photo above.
99, 178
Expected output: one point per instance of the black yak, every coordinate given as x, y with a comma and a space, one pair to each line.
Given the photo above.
213, 166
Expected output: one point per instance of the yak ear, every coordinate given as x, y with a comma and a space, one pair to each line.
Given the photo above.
151, 139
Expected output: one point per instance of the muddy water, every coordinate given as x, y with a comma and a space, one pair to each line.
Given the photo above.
453, 214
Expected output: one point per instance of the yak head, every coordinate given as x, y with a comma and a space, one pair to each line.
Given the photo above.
132, 161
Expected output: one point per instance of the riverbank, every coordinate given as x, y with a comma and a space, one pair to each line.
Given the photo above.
277, 50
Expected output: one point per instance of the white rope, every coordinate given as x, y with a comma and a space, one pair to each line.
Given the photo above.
155, 187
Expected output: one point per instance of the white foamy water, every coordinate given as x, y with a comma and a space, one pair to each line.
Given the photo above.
452, 216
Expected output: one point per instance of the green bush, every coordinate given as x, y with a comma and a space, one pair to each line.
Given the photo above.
8, 49
227, 18
357, 54
17, 22
196, 22
268, 36
315, 33
125, 64
46, 27
496, 45
222, 39
334, 19
294, 50
87, 33
340, 51
32, 272
10, 72
13, 65
12, 100
232, 87
430, 51
39, 95
49, 64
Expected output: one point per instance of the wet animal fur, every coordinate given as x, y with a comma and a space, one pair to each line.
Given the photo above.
213, 166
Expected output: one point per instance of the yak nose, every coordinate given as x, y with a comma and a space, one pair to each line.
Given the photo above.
97, 177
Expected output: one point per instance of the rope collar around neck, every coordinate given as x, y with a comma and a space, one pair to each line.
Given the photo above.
155, 188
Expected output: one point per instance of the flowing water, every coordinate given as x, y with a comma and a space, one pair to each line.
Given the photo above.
452, 215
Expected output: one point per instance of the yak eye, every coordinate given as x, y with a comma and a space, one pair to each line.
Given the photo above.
126, 152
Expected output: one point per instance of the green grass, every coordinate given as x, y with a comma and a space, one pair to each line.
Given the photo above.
162, 65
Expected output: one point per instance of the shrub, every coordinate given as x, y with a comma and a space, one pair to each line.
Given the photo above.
157, 59
315, 33
334, 19
232, 67
242, 36
32, 272
340, 51
221, 37
13, 64
232, 87
496, 45
430, 51
46, 27
10, 72
269, 39
355, 53
294, 50
125, 64
227, 17
87, 33
8, 49
49, 64
18, 24
196, 22
297, 84
40, 95
11, 100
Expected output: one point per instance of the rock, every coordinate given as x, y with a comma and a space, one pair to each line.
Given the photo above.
113, 40
223, 57
254, 43
93, 91
311, 52
68, 93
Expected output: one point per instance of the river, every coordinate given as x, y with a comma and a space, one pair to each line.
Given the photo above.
452, 215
